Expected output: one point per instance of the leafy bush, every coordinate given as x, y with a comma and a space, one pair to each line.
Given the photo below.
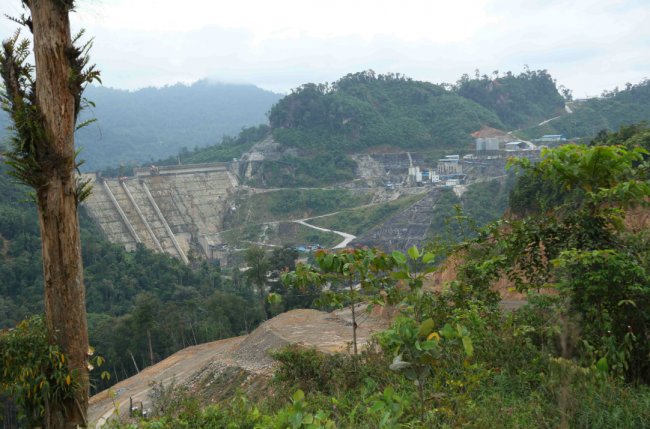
36, 373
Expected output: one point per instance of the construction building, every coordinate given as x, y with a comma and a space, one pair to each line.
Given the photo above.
449, 165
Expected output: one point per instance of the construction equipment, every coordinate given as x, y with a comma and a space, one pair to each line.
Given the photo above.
121, 164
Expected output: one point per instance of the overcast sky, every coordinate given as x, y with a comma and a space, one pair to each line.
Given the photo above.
587, 45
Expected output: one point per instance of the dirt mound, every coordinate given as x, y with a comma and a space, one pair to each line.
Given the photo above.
488, 132
217, 370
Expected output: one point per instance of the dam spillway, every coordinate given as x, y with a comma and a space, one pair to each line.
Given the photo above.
167, 208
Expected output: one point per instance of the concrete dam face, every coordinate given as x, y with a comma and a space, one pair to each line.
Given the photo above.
167, 208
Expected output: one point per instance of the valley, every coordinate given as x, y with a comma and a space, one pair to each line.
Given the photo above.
243, 269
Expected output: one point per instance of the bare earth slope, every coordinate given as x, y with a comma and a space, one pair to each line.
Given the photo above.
241, 361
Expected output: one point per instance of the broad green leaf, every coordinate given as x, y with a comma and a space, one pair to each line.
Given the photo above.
414, 253
467, 343
428, 257
602, 365
296, 420
428, 345
400, 275
409, 373
388, 392
399, 257
379, 405
427, 359
299, 395
426, 327
447, 332
430, 270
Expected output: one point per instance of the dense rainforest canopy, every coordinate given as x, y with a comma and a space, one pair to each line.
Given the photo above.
365, 110
518, 100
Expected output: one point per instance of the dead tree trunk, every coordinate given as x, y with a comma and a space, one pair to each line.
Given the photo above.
150, 348
262, 290
136, 365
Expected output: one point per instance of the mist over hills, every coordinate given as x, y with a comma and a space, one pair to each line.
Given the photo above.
153, 123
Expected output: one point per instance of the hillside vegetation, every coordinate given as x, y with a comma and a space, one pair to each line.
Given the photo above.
483, 202
358, 221
610, 112
291, 204
153, 123
518, 100
365, 110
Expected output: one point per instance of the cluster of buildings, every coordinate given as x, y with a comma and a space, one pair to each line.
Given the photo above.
448, 173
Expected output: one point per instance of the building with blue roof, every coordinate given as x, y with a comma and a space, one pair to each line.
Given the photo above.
553, 138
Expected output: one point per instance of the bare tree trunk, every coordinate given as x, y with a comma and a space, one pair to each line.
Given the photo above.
354, 322
153, 362
193, 334
57, 202
182, 334
262, 302
134, 363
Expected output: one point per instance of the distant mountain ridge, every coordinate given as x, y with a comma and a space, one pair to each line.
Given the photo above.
159, 122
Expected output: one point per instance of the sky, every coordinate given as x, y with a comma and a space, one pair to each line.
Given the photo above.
587, 45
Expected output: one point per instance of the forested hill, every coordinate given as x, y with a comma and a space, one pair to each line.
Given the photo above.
609, 112
158, 122
518, 100
365, 110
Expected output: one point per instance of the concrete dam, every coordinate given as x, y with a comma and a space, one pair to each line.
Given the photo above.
168, 209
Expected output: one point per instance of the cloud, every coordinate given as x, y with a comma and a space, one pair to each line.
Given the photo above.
587, 45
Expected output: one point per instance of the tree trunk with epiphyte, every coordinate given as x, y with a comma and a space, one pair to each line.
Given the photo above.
42, 154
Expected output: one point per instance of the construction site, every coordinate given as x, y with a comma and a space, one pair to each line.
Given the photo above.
205, 211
